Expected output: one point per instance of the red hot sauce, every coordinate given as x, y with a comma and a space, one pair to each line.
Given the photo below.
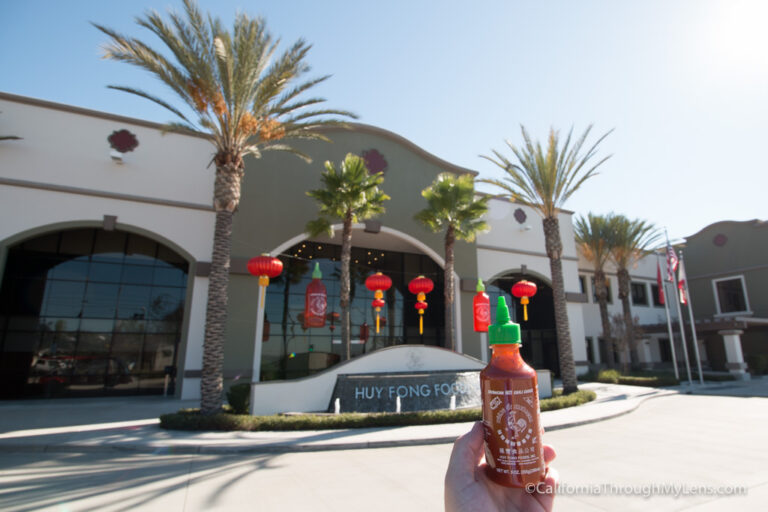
513, 446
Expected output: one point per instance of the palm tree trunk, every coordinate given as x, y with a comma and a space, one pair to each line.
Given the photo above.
554, 248
629, 328
450, 334
601, 291
346, 257
212, 381
226, 197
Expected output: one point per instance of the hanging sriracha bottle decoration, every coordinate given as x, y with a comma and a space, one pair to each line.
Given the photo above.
523, 290
421, 286
482, 308
315, 300
378, 283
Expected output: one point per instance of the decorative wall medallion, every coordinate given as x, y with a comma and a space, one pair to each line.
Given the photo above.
374, 161
520, 216
123, 141
720, 240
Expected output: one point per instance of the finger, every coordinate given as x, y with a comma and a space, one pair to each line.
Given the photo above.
547, 498
467, 452
549, 454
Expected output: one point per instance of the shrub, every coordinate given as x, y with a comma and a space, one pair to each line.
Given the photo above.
758, 364
190, 419
608, 376
239, 397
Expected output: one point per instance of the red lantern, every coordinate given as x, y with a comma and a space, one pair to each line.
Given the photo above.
421, 286
332, 317
481, 305
265, 267
378, 283
523, 290
315, 301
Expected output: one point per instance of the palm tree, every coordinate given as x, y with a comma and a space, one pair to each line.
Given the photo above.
632, 238
246, 101
350, 194
595, 235
544, 180
454, 208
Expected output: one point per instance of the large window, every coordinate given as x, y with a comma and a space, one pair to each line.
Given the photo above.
89, 312
655, 295
731, 295
291, 350
639, 294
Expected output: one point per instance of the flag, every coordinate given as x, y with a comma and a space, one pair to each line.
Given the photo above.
681, 285
659, 284
672, 262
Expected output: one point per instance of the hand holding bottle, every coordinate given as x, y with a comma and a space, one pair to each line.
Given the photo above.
468, 488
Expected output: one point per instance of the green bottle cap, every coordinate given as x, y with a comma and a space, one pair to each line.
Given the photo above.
503, 331
480, 286
316, 274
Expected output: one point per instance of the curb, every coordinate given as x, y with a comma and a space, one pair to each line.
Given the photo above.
277, 448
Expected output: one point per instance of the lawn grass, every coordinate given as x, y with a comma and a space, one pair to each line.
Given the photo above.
648, 378
190, 419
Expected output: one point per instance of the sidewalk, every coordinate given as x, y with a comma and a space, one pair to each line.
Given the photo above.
131, 425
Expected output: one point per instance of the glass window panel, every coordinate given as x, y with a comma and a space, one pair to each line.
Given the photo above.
100, 300
74, 269
167, 257
18, 341
126, 351
92, 325
64, 298
45, 243
22, 296
24, 323
161, 327
731, 296
76, 241
130, 325
105, 272
109, 246
169, 276
93, 343
133, 302
158, 352
166, 303
141, 250
137, 274
52, 324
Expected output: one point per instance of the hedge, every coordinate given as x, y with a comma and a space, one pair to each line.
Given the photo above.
191, 419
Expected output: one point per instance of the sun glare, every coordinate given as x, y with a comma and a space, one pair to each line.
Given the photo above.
739, 39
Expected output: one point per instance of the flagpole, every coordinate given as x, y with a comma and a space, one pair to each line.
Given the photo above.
669, 322
693, 324
680, 320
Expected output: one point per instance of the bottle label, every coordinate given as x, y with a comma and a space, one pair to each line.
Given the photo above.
513, 448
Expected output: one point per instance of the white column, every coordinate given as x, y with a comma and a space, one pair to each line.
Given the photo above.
733, 354
645, 353
595, 349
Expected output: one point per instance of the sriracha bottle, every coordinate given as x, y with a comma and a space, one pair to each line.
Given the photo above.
481, 306
513, 447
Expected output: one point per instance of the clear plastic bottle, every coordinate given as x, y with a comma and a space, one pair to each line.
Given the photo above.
513, 445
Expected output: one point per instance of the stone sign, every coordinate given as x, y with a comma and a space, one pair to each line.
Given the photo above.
418, 391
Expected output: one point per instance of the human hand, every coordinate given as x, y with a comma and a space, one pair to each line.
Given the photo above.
468, 488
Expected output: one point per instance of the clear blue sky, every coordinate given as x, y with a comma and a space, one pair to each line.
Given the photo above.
683, 82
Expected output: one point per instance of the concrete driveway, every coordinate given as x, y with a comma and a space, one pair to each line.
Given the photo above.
678, 443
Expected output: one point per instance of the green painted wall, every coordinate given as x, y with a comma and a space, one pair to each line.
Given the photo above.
275, 208
744, 253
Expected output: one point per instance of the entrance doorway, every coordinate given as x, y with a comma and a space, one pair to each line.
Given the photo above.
539, 335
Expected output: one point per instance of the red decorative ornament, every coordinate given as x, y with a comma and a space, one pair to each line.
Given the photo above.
364, 331
378, 283
523, 290
123, 141
315, 301
332, 317
265, 267
481, 307
421, 286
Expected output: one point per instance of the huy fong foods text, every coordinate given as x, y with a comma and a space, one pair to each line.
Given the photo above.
411, 390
